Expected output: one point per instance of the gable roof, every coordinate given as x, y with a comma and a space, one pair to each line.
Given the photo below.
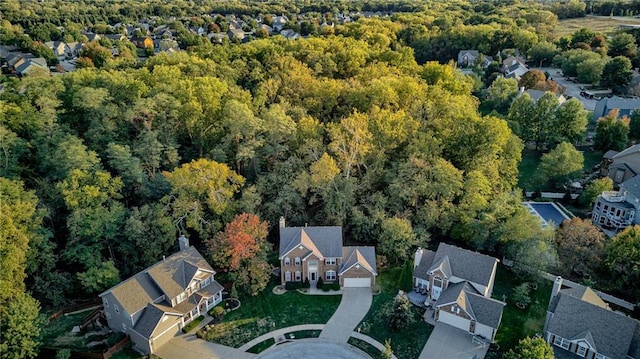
421, 266
632, 185
322, 241
170, 277
364, 256
610, 333
149, 320
465, 264
483, 310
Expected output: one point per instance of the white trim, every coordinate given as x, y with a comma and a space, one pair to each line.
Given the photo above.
294, 248
361, 266
331, 271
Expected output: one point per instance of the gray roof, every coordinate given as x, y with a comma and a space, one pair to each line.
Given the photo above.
364, 256
465, 264
632, 185
483, 310
627, 151
611, 332
610, 154
323, 241
174, 274
149, 320
621, 103
421, 269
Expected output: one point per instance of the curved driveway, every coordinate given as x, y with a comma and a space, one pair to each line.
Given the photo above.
353, 307
314, 349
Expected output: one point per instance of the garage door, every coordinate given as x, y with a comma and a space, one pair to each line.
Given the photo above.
357, 282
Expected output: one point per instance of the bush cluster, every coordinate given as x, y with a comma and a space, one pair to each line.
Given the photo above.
192, 324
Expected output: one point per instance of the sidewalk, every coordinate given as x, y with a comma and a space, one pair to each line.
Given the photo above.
278, 333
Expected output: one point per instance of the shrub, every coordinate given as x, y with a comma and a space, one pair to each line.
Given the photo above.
291, 285
216, 311
320, 283
335, 285
326, 287
192, 324
306, 284
521, 294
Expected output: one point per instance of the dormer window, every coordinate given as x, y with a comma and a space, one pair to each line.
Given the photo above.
287, 261
297, 261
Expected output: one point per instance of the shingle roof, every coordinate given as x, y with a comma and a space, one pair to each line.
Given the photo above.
610, 331
364, 256
323, 241
627, 151
471, 266
483, 310
148, 320
632, 185
174, 273
135, 292
421, 268
621, 103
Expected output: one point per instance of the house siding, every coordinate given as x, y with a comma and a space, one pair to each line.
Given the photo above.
116, 319
139, 341
165, 331
292, 267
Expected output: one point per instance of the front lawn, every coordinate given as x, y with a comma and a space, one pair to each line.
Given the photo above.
267, 311
407, 343
519, 323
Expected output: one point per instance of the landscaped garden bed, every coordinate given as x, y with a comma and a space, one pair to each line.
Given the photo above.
365, 347
267, 311
262, 346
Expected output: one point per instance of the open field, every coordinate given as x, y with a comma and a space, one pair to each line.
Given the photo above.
604, 24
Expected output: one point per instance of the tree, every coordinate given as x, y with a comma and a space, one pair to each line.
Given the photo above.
623, 261
399, 315
21, 324
242, 249
397, 239
502, 92
623, 44
580, 246
531, 78
200, 191
521, 294
594, 189
571, 121
543, 52
611, 133
617, 73
531, 348
98, 279
590, 71
388, 352
634, 125
561, 164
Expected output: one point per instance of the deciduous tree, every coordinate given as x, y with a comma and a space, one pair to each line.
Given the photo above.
580, 246
531, 348
397, 240
611, 133
623, 260
561, 164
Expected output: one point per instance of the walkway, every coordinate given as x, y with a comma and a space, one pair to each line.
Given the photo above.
353, 307
313, 349
452, 343
278, 333
190, 347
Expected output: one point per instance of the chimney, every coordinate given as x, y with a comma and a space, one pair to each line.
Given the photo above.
282, 222
418, 257
184, 242
557, 285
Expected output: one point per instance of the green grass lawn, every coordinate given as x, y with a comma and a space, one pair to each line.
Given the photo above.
527, 169
57, 334
267, 311
365, 347
407, 343
519, 323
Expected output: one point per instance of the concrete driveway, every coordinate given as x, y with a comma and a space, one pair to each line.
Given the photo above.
451, 343
190, 347
572, 88
353, 307
313, 349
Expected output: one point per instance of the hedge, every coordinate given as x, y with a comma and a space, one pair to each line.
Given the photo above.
192, 324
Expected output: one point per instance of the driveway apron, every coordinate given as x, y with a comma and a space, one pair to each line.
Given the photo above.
190, 347
353, 307
452, 343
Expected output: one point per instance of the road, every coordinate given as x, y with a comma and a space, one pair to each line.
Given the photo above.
572, 88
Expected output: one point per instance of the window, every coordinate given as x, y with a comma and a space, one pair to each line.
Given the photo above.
561, 342
287, 276
582, 350
106, 302
287, 261
297, 261
330, 275
116, 309
298, 276
181, 297
206, 282
330, 261
600, 356
437, 282
313, 263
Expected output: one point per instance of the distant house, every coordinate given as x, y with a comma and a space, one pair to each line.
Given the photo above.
115, 37
142, 42
73, 49
165, 45
514, 67
616, 210
461, 283
311, 253
468, 58
218, 37
23, 64
279, 22
579, 324
290, 34
267, 28
537, 95
59, 48
237, 35
92, 36
625, 106
155, 304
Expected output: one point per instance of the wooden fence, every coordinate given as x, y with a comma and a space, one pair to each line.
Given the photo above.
106, 355
89, 304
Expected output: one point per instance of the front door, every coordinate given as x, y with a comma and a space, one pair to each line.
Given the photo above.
313, 276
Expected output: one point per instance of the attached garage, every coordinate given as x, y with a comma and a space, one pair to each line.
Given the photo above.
454, 320
357, 282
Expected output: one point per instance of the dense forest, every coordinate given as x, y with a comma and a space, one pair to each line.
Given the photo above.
367, 126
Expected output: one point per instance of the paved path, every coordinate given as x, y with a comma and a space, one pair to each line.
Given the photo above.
280, 332
353, 307
451, 343
190, 347
313, 349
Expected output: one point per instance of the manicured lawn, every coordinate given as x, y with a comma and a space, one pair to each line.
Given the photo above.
407, 343
527, 170
591, 159
519, 323
267, 311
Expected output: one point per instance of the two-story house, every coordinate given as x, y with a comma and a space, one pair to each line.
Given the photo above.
153, 305
621, 166
459, 283
579, 324
312, 253
616, 210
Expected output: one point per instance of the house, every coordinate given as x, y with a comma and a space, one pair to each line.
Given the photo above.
460, 282
467, 58
30, 65
142, 42
625, 106
73, 49
153, 305
579, 324
165, 45
616, 210
116, 37
290, 34
622, 166
59, 48
279, 22
514, 67
92, 36
311, 253
237, 35
537, 95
